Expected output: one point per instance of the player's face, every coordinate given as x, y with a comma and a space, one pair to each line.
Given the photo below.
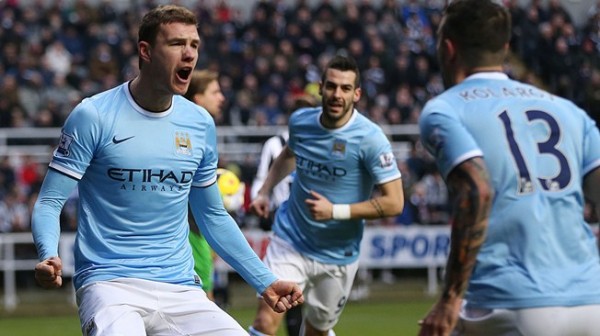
338, 97
212, 99
173, 56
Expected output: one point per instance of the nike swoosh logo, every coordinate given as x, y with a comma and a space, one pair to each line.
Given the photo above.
118, 141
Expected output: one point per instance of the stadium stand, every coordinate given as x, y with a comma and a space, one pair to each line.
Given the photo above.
54, 53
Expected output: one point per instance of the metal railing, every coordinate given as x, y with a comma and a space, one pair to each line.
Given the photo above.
414, 246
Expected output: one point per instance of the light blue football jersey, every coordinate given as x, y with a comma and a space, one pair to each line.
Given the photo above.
135, 170
539, 251
341, 164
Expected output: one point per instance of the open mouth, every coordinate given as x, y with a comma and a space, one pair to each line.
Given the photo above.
335, 104
184, 73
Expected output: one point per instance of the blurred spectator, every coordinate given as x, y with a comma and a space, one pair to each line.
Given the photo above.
102, 62
592, 96
58, 59
14, 215
7, 176
28, 173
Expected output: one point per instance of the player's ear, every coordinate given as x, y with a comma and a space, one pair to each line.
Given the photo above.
448, 49
197, 99
145, 50
357, 93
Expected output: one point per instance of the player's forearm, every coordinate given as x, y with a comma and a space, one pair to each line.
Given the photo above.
45, 225
225, 237
591, 188
377, 207
390, 203
472, 199
282, 167
230, 244
45, 228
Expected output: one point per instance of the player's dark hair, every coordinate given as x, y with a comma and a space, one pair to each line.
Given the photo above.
199, 82
480, 29
160, 15
343, 63
163, 14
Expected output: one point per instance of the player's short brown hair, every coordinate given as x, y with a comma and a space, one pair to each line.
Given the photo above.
199, 82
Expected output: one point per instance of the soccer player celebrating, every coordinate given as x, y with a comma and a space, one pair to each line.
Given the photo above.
138, 153
517, 161
339, 157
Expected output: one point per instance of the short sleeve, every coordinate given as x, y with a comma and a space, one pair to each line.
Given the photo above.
78, 141
379, 157
446, 137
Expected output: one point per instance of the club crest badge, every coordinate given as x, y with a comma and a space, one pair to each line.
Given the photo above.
339, 149
183, 144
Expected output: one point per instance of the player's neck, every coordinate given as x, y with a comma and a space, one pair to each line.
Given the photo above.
461, 74
472, 71
330, 123
143, 94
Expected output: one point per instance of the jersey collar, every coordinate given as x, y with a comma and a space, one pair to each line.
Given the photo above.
488, 75
142, 110
346, 125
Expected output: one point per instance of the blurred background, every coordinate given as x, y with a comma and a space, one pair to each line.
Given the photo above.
268, 54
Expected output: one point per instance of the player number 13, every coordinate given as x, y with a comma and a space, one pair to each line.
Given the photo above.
555, 183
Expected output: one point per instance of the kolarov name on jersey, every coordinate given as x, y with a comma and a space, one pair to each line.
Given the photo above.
487, 92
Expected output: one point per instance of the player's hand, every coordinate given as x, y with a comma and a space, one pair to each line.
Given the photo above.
319, 206
48, 273
283, 295
260, 206
441, 319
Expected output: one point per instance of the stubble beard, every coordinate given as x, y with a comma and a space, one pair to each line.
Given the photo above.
334, 118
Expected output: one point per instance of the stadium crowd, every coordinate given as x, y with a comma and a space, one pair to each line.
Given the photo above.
52, 54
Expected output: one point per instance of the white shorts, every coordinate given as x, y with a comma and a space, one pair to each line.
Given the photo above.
135, 307
546, 321
326, 287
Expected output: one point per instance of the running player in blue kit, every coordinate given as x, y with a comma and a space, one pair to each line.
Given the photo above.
339, 157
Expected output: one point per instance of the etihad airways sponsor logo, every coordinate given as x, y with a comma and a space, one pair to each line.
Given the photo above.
322, 170
144, 179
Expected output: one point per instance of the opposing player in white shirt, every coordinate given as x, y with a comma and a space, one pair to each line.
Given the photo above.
339, 157
138, 153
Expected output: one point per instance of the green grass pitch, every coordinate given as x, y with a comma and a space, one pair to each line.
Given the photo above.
389, 310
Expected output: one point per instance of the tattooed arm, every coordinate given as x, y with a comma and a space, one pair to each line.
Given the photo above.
472, 196
591, 188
